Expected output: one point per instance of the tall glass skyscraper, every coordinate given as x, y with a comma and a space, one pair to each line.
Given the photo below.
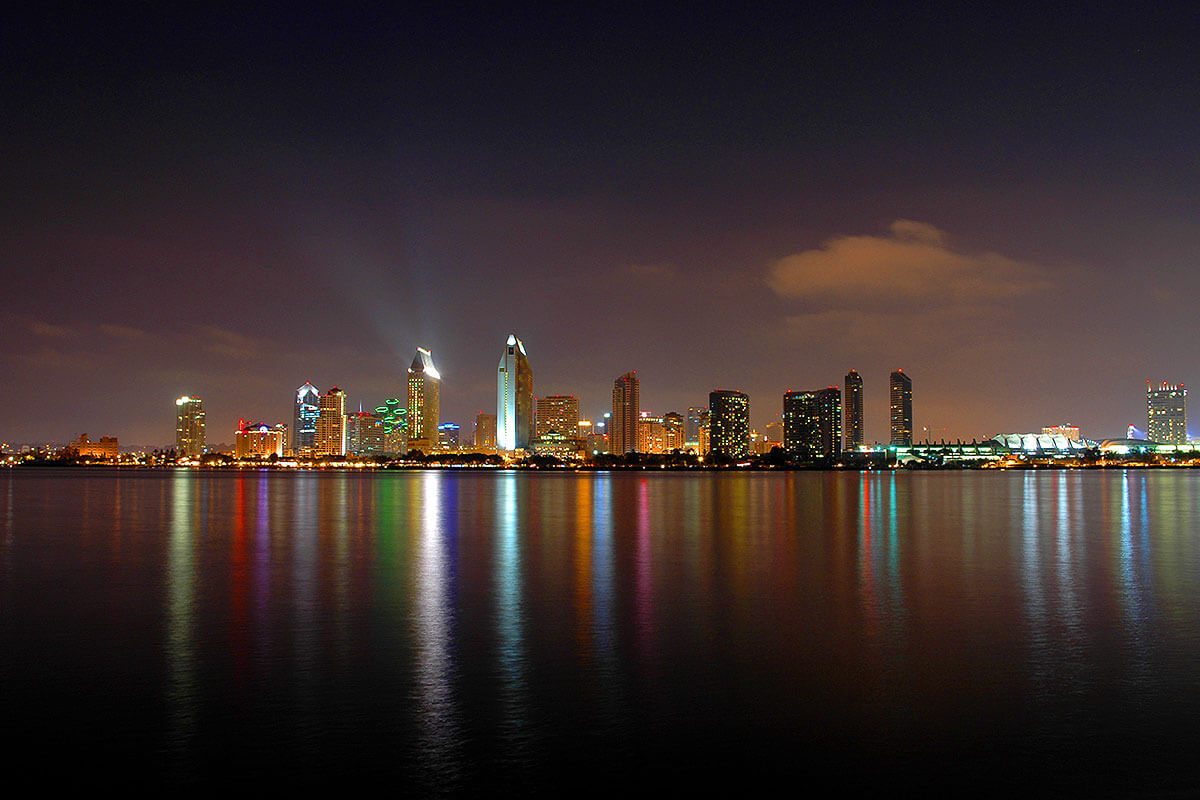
626, 409
854, 410
1166, 413
812, 422
514, 397
901, 408
729, 423
424, 402
189, 427
304, 419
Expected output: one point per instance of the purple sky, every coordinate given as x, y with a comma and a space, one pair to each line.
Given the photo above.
228, 206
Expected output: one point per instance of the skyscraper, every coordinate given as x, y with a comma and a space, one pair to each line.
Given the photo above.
672, 436
514, 397
485, 431
1166, 413
424, 402
330, 439
729, 423
854, 411
695, 417
558, 413
812, 422
304, 419
626, 408
365, 434
901, 408
189, 427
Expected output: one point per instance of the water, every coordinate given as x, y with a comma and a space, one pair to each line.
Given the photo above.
466, 631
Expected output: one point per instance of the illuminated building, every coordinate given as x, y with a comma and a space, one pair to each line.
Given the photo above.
650, 433
812, 422
558, 413
561, 446
1166, 413
672, 432
256, 440
729, 423
189, 427
854, 429
514, 397
626, 410
395, 426
695, 418
448, 436
1066, 429
901, 408
702, 438
485, 431
331, 424
366, 434
424, 401
304, 419
107, 447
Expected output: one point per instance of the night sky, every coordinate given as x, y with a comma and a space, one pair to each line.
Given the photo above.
226, 205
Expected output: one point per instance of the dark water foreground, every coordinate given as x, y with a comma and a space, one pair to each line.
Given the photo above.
457, 631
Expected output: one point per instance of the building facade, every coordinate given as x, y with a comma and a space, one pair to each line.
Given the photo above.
366, 434
189, 427
729, 423
307, 407
1166, 413
901, 408
626, 411
558, 413
672, 435
812, 422
257, 440
854, 430
424, 402
331, 424
485, 431
514, 397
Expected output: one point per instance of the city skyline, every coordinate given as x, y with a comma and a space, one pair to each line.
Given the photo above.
1022, 191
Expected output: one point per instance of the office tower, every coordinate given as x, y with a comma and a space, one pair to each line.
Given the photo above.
256, 440
695, 416
395, 426
650, 430
331, 424
448, 436
514, 397
189, 427
812, 422
558, 413
901, 409
1166, 413
424, 401
672, 435
304, 420
485, 431
729, 423
854, 411
626, 410
366, 434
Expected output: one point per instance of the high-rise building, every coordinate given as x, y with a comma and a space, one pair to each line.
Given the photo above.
558, 413
256, 440
901, 408
729, 423
424, 402
395, 426
812, 422
695, 418
366, 434
304, 420
672, 435
650, 433
854, 411
626, 410
1166, 413
331, 424
514, 397
189, 427
448, 436
485, 431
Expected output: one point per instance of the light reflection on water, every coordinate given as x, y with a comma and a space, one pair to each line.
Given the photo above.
454, 630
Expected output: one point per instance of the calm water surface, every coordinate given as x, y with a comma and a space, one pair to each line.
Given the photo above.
463, 631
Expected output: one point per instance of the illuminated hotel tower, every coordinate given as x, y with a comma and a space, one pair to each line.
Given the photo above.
424, 402
901, 408
1166, 413
558, 413
514, 397
854, 410
729, 423
812, 422
330, 439
304, 419
626, 409
189, 427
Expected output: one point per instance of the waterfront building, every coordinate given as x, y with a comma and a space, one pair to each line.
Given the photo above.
650, 433
1066, 429
695, 416
258, 440
331, 424
672, 432
901, 408
854, 429
1166, 413
812, 422
448, 436
366, 434
514, 397
626, 410
729, 422
189, 427
558, 413
395, 426
485, 431
703, 438
108, 447
424, 401
307, 407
